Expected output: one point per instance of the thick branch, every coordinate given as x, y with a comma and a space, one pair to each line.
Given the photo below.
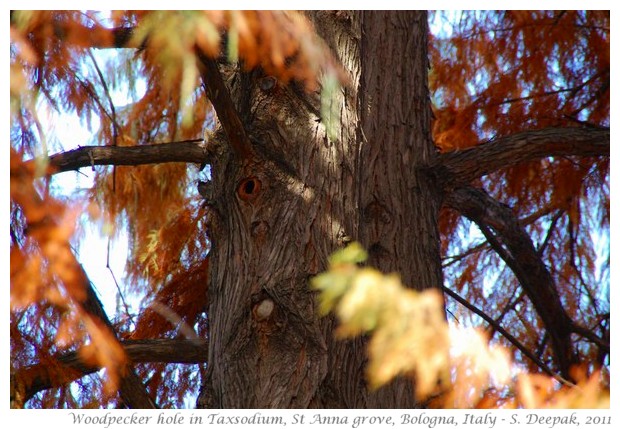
222, 102
42, 376
515, 246
459, 168
192, 151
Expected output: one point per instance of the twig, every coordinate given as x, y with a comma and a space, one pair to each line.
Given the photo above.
506, 335
118, 288
554, 221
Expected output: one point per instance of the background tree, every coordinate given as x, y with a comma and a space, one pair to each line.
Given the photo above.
332, 127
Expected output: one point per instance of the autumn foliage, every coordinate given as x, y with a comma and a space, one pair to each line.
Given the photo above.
400, 320
493, 74
546, 69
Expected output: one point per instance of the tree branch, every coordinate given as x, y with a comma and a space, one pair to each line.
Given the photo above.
603, 345
515, 246
459, 168
496, 326
132, 391
527, 220
38, 377
218, 94
193, 151
453, 259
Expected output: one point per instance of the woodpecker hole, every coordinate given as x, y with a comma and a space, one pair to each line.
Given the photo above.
248, 188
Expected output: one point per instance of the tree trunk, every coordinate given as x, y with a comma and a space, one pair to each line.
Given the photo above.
278, 214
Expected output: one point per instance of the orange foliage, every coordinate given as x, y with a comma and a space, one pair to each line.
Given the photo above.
49, 274
184, 297
455, 367
496, 73
545, 68
538, 391
283, 43
493, 74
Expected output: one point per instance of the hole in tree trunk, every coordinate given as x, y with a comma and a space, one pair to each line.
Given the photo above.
249, 188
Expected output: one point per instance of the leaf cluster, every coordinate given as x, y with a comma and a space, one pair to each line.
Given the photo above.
452, 367
45, 274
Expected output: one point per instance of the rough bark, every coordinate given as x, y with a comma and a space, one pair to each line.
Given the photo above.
286, 196
220, 98
398, 203
85, 156
278, 215
459, 168
393, 134
266, 347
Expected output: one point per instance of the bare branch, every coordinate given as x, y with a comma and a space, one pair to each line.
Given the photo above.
573, 90
192, 151
554, 222
459, 168
589, 335
222, 102
472, 250
515, 246
39, 377
484, 245
106, 90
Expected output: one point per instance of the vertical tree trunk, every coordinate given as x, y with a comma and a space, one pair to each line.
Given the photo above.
398, 204
277, 217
